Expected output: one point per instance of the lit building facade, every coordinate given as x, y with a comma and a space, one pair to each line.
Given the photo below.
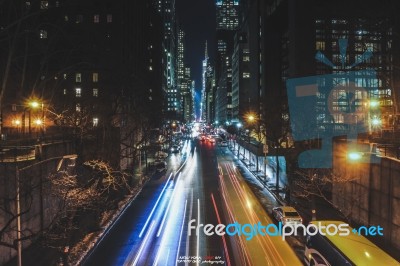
93, 61
183, 80
205, 63
306, 29
172, 100
227, 20
227, 14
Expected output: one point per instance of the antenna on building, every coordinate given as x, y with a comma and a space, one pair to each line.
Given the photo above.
206, 51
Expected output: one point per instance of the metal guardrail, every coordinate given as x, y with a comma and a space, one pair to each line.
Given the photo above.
14, 154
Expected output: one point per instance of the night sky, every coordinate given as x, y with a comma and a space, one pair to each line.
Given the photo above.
197, 18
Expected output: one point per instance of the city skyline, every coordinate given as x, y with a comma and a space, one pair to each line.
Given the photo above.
160, 132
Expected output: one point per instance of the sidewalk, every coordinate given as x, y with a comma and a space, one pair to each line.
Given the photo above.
266, 178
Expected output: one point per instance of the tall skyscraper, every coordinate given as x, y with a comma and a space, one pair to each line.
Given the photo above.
167, 10
203, 85
227, 16
183, 80
187, 99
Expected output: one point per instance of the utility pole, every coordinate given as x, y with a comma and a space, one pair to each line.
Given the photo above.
17, 199
18, 209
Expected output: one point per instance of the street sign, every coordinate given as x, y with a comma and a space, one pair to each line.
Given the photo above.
265, 148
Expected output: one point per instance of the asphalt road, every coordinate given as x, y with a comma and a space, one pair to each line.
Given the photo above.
154, 228
202, 186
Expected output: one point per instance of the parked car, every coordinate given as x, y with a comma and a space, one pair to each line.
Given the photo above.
161, 155
175, 149
223, 143
287, 215
161, 166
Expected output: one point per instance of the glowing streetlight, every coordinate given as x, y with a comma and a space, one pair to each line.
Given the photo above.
376, 122
251, 118
373, 103
354, 156
38, 122
34, 104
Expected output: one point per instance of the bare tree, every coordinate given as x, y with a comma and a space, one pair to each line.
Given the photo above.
8, 227
312, 184
107, 179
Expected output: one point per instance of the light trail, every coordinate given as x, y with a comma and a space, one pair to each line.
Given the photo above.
146, 238
176, 188
198, 235
223, 236
243, 250
180, 235
155, 206
253, 218
189, 217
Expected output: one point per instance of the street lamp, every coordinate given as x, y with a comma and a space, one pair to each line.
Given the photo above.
354, 156
373, 103
251, 118
375, 121
30, 105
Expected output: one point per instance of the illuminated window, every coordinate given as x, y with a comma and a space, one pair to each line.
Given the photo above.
65, 76
109, 18
95, 121
65, 91
320, 46
78, 92
43, 34
246, 58
246, 75
95, 77
78, 77
96, 18
95, 92
44, 4
78, 107
28, 4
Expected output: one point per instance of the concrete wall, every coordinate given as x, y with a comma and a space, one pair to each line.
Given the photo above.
370, 191
37, 199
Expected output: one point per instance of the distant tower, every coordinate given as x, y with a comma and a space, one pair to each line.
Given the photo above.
203, 114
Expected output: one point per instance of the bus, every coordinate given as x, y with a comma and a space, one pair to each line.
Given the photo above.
352, 249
